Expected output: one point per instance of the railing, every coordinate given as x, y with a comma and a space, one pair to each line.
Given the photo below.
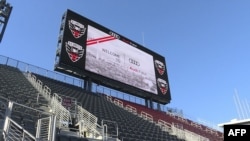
165, 126
62, 114
108, 126
131, 109
118, 103
147, 116
3, 106
186, 134
196, 125
178, 131
45, 129
85, 131
38, 84
88, 120
70, 103
109, 98
46, 92
28, 112
14, 132
190, 136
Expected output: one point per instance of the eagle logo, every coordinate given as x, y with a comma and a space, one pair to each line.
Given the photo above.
74, 51
160, 67
77, 29
163, 85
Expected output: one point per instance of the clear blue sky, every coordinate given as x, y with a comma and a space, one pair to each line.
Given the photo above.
206, 43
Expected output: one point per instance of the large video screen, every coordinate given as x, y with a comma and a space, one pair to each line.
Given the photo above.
88, 49
113, 58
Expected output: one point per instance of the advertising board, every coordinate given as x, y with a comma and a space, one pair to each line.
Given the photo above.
90, 49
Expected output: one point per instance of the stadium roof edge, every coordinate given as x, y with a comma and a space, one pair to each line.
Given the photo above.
234, 122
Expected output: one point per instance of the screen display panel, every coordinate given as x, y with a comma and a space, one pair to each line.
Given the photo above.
111, 57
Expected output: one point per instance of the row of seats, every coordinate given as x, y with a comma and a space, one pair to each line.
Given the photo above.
171, 119
28, 106
16, 87
130, 126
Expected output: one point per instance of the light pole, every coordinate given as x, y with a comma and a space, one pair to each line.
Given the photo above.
5, 11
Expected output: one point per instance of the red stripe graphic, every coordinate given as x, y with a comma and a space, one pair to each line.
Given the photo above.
100, 40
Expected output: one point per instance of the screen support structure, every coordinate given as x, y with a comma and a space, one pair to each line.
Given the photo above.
149, 103
158, 107
88, 84
5, 11
146, 102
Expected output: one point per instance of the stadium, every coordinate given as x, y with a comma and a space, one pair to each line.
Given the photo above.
69, 103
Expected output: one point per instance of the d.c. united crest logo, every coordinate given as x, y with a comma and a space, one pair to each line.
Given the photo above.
160, 67
74, 51
77, 29
163, 85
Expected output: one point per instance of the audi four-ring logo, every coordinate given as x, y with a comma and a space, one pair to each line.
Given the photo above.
132, 61
114, 35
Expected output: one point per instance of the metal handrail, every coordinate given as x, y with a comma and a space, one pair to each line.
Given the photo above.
16, 131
